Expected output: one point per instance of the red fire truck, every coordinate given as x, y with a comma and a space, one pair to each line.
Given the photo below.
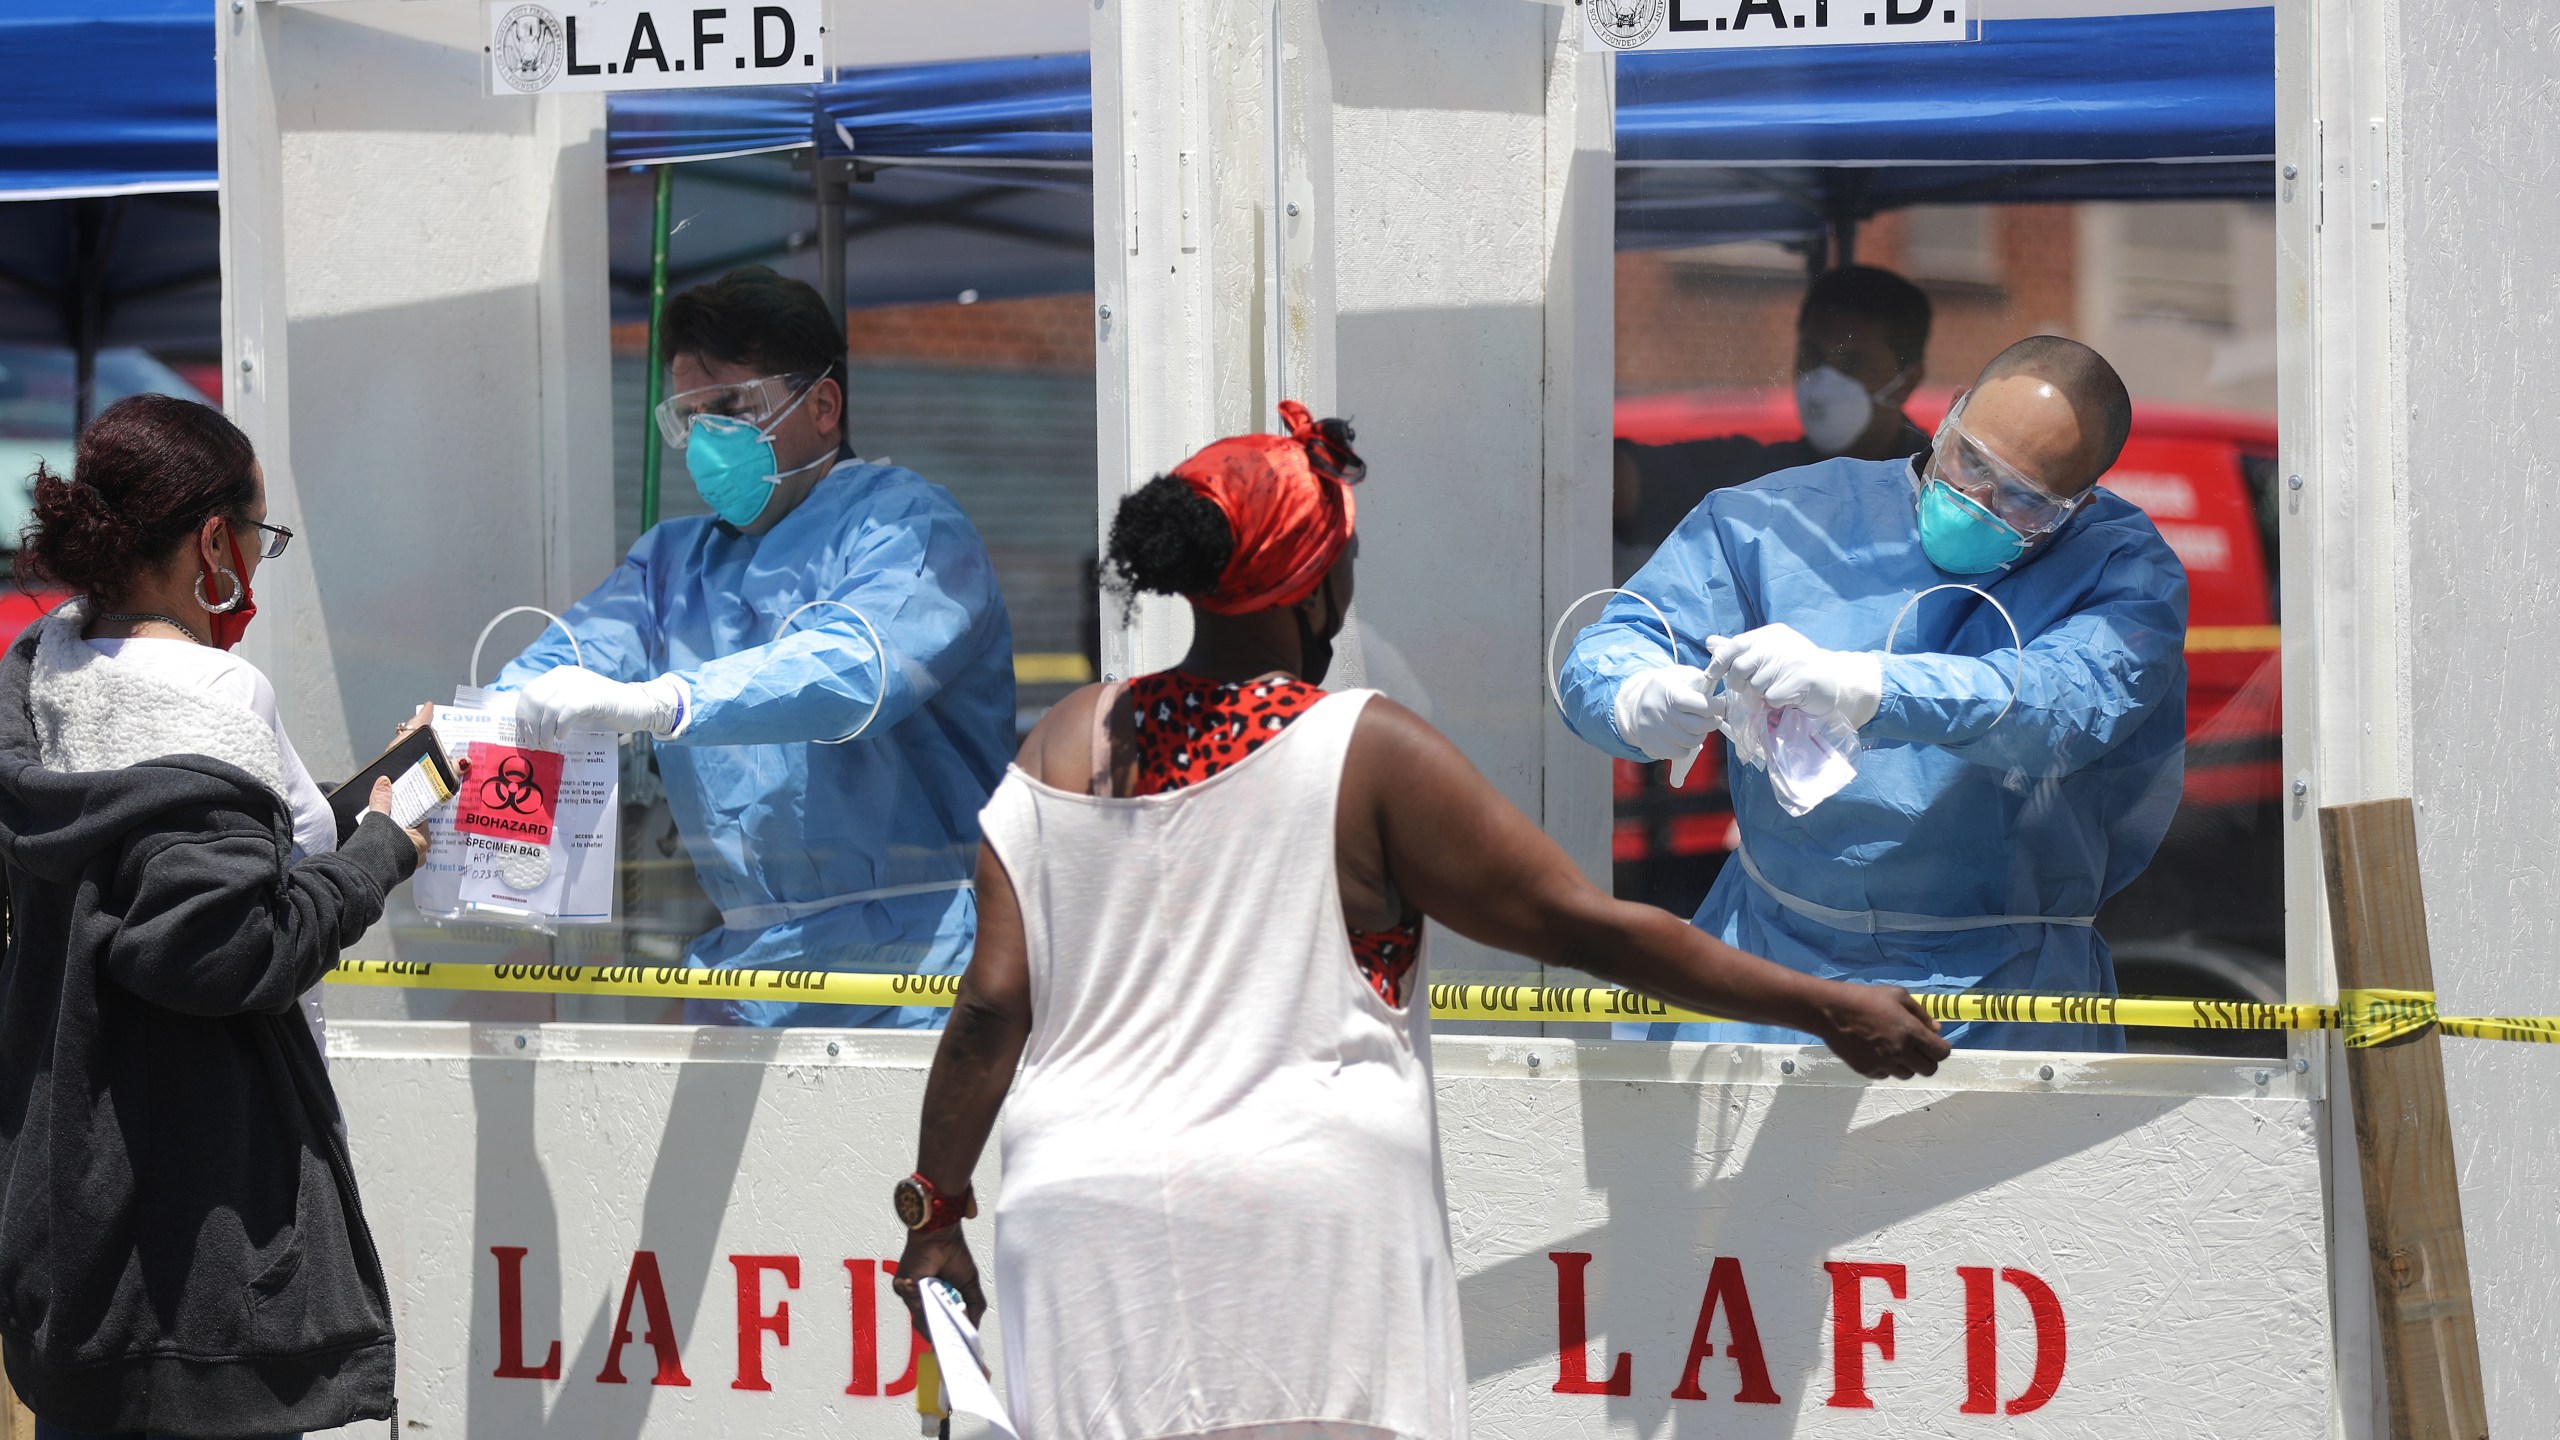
2207, 918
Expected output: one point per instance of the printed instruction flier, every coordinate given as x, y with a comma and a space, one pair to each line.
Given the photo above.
534, 836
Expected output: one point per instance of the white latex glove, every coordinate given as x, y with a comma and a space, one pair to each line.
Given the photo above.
569, 698
1667, 712
1787, 671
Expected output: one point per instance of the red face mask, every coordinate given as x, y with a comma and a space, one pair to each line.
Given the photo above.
231, 624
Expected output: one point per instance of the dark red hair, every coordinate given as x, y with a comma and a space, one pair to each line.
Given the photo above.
150, 469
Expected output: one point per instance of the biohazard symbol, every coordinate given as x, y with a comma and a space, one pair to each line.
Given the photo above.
512, 788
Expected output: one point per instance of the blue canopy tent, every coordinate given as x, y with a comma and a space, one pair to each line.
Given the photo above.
1034, 112
1786, 144
953, 178
1712, 145
109, 231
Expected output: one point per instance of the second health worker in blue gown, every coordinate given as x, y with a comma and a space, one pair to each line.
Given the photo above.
1986, 825
851, 856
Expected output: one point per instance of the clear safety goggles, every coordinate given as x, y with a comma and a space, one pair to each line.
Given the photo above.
755, 401
1963, 461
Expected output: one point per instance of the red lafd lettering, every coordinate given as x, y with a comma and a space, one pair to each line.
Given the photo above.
2053, 1341
1726, 1291
1851, 1334
753, 1323
1573, 1335
860, 1278
512, 794
646, 1285
1982, 1341
917, 1344
511, 1364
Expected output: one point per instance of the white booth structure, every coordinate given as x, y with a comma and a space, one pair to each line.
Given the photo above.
1401, 210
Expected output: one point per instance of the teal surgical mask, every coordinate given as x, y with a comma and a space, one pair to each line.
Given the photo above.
1960, 536
732, 462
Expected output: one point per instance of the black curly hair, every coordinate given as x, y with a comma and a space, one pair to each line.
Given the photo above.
1168, 539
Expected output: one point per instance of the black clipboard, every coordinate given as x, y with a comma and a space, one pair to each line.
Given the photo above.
350, 801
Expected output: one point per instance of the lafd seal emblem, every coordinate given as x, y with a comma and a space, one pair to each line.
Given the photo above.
526, 49
1625, 24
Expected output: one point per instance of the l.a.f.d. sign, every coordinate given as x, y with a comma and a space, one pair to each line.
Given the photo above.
623, 1233
537, 46
1763, 24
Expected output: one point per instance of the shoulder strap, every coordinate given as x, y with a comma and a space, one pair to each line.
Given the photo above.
1102, 707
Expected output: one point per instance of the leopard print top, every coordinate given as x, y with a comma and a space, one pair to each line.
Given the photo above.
1190, 728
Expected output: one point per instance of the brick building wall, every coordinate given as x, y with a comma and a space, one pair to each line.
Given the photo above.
1725, 316
1052, 333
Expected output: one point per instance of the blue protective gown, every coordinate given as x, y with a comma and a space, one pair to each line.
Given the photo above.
2047, 812
771, 817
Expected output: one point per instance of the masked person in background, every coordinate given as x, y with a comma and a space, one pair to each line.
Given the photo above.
2001, 794
1860, 338
827, 782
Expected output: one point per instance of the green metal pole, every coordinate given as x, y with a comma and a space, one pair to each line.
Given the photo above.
653, 448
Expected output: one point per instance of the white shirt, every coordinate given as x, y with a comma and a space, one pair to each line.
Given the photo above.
1174, 1170
228, 677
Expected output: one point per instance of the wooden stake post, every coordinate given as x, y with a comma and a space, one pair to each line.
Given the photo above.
2404, 1145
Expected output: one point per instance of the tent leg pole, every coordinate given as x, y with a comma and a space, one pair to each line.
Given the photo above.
652, 448
93, 234
830, 176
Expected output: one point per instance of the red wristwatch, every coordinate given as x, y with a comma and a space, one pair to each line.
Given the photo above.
923, 1209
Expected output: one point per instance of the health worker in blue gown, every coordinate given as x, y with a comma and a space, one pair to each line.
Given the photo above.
827, 782
2001, 794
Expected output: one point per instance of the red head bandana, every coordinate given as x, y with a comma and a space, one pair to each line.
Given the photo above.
1288, 500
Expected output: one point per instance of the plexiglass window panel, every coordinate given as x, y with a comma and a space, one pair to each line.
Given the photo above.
1988, 196
963, 548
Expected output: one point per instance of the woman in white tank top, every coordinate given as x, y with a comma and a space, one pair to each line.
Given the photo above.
1201, 899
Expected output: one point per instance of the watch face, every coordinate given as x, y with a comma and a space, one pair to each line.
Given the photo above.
911, 1202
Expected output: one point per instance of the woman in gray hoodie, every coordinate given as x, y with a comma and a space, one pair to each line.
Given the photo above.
181, 1247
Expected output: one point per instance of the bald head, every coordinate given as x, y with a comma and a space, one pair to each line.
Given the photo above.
2053, 406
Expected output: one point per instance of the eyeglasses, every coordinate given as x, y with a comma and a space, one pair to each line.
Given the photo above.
1963, 461
750, 400
271, 539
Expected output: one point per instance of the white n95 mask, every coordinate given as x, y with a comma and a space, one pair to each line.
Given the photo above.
1834, 408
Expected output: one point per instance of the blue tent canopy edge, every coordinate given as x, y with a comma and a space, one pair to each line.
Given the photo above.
113, 97
1711, 144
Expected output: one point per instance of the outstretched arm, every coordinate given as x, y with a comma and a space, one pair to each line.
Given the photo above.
972, 1069
1471, 861
923, 581
2081, 687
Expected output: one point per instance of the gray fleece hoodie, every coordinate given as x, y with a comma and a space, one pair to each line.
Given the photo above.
181, 1247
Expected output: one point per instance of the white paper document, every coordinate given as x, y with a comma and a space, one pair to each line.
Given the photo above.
419, 790
965, 1386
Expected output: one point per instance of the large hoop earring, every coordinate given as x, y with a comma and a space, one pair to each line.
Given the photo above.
226, 607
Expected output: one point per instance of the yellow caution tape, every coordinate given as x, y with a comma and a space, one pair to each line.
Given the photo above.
2227, 639
2369, 1017
1051, 668
658, 982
